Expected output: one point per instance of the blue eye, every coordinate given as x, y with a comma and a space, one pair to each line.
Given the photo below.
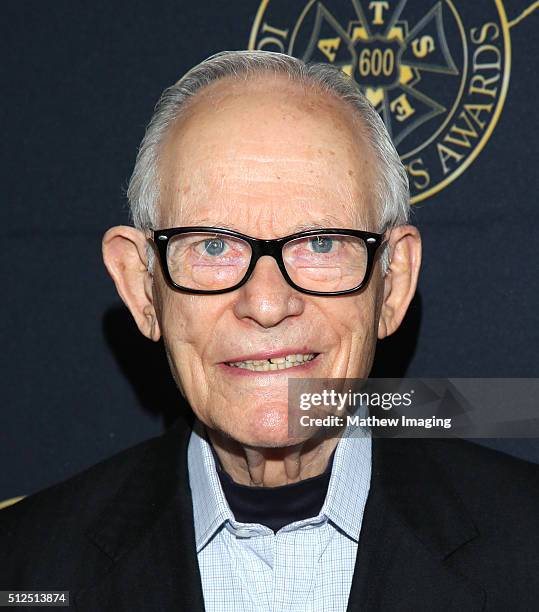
214, 246
321, 244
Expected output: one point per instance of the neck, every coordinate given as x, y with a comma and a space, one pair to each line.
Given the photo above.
272, 467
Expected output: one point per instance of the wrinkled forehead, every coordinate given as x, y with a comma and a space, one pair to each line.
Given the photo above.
266, 141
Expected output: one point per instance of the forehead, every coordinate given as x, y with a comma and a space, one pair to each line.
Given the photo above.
266, 149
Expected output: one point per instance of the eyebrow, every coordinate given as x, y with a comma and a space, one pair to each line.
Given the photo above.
327, 221
213, 223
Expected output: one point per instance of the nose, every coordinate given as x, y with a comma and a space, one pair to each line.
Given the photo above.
266, 298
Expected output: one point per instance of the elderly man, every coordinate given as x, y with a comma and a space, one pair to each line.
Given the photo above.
271, 242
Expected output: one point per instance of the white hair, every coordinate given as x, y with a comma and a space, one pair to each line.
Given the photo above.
391, 191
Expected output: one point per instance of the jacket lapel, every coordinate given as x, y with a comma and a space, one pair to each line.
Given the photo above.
413, 521
146, 535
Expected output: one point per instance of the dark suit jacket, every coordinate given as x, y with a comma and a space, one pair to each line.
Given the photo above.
449, 525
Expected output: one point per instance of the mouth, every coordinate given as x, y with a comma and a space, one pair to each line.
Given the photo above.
272, 364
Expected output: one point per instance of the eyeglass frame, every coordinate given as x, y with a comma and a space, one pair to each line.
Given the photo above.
261, 247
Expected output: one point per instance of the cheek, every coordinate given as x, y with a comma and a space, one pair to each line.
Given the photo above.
187, 324
355, 323
364, 323
356, 315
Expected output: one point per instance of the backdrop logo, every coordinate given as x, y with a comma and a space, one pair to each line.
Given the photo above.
437, 72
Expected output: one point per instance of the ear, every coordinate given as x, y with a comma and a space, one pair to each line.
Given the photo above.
400, 282
124, 254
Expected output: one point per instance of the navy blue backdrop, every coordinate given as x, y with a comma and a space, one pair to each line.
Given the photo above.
79, 83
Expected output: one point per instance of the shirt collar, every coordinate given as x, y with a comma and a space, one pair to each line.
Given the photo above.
350, 481
345, 500
210, 508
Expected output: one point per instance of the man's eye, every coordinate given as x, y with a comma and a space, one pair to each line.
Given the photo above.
214, 246
321, 244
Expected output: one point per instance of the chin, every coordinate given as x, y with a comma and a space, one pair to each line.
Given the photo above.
265, 429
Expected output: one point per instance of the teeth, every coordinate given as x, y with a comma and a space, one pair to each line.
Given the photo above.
275, 363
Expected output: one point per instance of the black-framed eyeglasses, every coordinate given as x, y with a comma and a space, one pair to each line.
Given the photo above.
212, 260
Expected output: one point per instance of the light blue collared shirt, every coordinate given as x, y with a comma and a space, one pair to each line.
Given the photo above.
307, 566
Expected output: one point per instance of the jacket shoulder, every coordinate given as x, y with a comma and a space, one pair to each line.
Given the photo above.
468, 454
70, 505
488, 479
48, 538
